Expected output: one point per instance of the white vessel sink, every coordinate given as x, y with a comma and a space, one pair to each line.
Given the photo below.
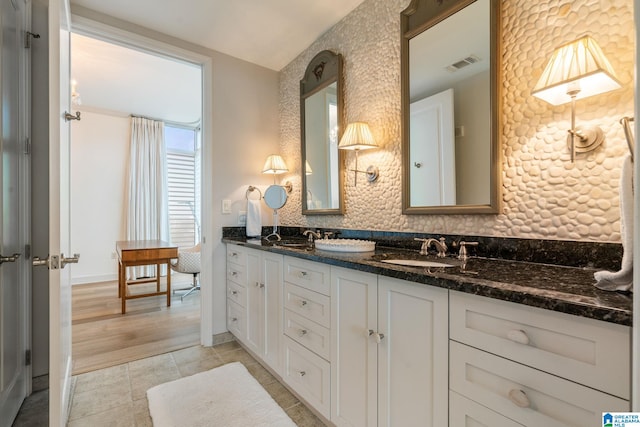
345, 245
415, 263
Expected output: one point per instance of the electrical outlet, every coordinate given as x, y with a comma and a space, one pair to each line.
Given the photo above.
242, 218
226, 206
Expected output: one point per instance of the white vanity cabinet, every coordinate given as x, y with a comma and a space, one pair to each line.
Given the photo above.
534, 366
254, 282
389, 351
307, 325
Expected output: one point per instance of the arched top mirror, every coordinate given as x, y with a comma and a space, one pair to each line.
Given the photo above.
450, 107
321, 122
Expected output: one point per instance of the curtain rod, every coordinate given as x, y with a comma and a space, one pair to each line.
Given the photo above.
192, 125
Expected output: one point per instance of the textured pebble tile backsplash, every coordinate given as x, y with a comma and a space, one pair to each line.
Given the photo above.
544, 195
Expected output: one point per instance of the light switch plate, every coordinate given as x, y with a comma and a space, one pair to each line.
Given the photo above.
226, 206
242, 218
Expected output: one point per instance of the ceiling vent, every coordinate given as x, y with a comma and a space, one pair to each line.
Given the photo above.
471, 59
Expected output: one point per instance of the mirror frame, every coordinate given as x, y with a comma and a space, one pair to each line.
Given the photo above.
324, 69
419, 16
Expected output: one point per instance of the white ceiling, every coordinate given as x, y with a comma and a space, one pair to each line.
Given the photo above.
124, 81
270, 33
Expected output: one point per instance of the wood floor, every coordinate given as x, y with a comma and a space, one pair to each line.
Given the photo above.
103, 337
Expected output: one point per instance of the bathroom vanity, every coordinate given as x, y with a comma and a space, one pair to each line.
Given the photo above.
484, 342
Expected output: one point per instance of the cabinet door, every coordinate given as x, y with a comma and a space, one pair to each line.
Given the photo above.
255, 303
354, 351
413, 357
272, 281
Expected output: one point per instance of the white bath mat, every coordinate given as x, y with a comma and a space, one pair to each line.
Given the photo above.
227, 396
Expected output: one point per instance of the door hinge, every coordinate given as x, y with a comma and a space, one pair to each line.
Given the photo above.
27, 146
27, 251
27, 357
28, 35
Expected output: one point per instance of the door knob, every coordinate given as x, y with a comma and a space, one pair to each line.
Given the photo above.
37, 261
71, 260
10, 258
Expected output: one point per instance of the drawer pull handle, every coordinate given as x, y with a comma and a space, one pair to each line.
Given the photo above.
234, 319
519, 398
234, 254
259, 285
234, 292
302, 373
518, 336
379, 337
302, 333
303, 303
302, 274
370, 332
234, 273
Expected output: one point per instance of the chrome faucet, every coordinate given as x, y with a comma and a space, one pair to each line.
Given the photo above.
440, 245
312, 234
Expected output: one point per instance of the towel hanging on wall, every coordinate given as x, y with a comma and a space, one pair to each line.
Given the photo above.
254, 218
622, 280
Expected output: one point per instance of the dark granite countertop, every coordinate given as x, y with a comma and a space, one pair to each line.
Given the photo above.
558, 288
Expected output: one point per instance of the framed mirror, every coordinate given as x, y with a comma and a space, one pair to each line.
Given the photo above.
450, 107
321, 121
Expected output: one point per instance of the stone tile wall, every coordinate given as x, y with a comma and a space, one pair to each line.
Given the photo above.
544, 195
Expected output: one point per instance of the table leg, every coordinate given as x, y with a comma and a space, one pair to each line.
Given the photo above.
123, 286
158, 271
168, 283
119, 278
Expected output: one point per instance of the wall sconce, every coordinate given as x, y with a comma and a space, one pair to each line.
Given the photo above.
275, 165
358, 137
577, 70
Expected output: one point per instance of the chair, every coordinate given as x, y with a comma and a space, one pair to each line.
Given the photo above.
189, 263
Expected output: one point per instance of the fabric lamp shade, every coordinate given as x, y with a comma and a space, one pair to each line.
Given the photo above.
577, 69
357, 136
274, 165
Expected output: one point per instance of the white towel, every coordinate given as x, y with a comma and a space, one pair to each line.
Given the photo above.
254, 218
622, 280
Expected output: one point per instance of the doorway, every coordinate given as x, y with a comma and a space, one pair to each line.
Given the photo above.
111, 82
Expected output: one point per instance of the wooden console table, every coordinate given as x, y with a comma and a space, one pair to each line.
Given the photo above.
133, 253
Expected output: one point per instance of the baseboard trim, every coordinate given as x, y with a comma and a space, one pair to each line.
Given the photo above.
80, 280
223, 338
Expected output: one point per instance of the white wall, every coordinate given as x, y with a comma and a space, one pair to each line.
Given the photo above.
99, 157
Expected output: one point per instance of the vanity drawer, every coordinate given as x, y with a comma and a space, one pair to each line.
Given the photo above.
309, 375
237, 293
236, 320
236, 255
464, 412
308, 304
524, 394
237, 273
308, 274
307, 333
587, 351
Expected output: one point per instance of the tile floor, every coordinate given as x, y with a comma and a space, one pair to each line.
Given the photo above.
116, 396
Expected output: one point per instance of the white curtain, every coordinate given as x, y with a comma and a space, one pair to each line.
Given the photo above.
147, 206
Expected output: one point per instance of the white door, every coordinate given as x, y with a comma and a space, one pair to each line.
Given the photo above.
432, 152
59, 279
413, 357
354, 352
15, 376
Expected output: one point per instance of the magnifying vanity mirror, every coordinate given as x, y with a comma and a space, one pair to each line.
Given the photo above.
450, 107
321, 108
275, 196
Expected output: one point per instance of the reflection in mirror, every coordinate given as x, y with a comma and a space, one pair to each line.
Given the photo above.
450, 107
321, 119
